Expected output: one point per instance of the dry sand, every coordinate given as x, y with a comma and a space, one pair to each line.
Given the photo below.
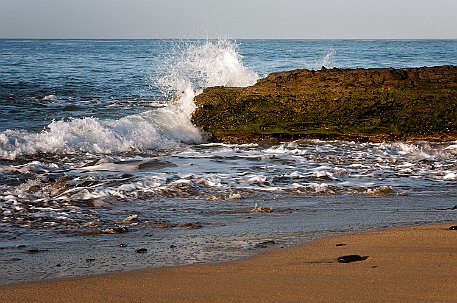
414, 264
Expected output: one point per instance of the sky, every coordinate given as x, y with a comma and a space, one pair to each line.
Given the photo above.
234, 19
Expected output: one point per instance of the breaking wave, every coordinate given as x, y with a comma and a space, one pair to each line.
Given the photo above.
185, 72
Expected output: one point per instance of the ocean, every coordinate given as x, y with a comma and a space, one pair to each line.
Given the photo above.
101, 169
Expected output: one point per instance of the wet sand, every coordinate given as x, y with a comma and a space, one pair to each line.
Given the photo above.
413, 264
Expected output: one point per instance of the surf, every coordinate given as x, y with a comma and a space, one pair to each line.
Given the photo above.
186, 70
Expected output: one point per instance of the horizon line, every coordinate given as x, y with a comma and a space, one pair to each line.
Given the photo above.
214, 38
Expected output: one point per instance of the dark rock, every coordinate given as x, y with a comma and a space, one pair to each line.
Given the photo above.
258, 209
351, 258
90, 260
381, 104
191, 225
142, 250
265, 244
35, 251
453, 227
123, 245
340, 244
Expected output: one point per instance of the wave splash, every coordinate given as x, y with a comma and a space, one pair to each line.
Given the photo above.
328, 61
187, 71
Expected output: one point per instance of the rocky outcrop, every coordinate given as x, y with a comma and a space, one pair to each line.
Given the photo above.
357, 104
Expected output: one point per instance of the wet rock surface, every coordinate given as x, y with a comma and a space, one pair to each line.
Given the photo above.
351, 104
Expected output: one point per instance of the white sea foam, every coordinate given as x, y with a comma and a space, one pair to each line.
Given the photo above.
450, 176
93, 135
51, 97
192, 69
218, 172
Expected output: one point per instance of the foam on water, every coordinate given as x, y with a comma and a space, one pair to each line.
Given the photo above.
191, 69
51, 97
71, 191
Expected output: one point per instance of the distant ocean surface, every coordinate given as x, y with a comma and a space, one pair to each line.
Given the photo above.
98, 156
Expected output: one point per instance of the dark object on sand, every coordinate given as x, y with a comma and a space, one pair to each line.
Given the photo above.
351, 258
142, 250
454, 227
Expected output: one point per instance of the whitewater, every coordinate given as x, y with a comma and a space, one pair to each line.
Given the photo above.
99, 158
198, 67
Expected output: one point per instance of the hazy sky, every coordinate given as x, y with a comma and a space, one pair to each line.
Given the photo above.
228, 19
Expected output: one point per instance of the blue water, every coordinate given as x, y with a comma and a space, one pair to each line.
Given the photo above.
96, 134
90, 76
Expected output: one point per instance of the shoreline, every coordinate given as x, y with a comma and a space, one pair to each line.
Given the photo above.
296, 220
412, 264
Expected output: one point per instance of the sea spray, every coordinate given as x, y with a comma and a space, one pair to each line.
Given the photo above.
185, 73
328, 61
201, 65
205, 64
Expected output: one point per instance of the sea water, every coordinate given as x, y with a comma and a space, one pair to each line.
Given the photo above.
98, 157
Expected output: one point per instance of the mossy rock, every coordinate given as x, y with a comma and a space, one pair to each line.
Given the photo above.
363, 104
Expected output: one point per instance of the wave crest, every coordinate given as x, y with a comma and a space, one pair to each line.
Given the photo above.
186, 72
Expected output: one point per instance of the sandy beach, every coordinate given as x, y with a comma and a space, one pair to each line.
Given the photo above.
412, 264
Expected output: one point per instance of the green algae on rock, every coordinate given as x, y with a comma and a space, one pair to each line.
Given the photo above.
358, 104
